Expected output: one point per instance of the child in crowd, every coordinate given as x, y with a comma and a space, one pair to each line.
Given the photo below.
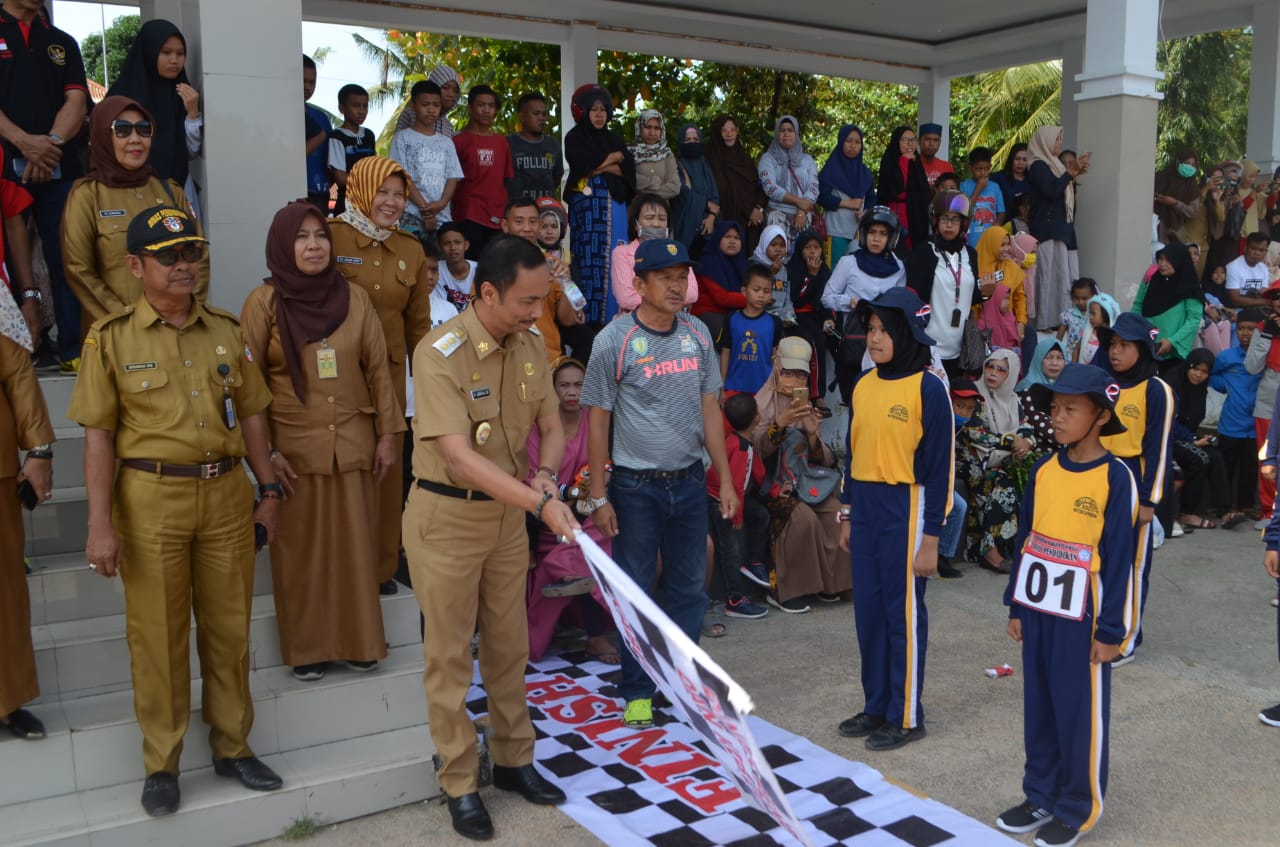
441, 307
457, 272
350, 142
1074, 317
964, 404
748, 338
432, 162
1020, 222
1102, 310
317, 128
741, 540
899, 490
1216, 283
986, 200
771, 253
1215, 326
1263, 357
1067, 607
1237, 433
1145, 407
552, 219
1004, 313
946, 182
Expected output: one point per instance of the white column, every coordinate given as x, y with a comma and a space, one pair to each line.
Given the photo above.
578, 66
250, 82
935, 107
1264, 87
1072, 67
1117, 123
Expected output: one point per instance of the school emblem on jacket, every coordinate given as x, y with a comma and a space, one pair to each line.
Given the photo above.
1130, 410
57, 54
1086, 506
899, 412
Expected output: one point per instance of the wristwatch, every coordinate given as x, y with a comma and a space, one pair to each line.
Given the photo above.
592, 503
271, 488
31, 294
40, 451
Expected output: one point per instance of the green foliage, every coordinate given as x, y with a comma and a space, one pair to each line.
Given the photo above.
1206, 95
119, 37
301, 829
1008, 106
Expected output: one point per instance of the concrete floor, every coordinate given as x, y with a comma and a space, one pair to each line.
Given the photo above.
1190, 762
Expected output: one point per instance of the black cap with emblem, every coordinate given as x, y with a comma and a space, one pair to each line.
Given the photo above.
160, 228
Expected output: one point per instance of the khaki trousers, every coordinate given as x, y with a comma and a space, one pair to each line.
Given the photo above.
187, 543
390, 507
18, 684
469, 562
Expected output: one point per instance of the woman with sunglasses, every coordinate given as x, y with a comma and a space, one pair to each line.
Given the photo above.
121, 183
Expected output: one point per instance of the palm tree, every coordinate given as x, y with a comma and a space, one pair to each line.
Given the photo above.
1014, 103
400, 65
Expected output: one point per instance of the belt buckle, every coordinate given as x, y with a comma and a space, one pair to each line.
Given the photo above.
213, 470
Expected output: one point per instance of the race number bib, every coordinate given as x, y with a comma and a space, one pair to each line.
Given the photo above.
1053, 576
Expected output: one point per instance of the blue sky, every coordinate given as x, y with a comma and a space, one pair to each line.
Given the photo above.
344, 64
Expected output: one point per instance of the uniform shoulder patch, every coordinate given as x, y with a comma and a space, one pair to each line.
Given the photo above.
535, 331
113, 316
449, 343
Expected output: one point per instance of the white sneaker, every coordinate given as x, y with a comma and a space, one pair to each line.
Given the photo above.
1275, 601
1177, 531
1123, 660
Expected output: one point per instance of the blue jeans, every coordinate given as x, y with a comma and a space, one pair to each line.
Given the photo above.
667, 516
953, 529
50, 199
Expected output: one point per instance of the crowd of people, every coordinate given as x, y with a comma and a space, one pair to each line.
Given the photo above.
532, 313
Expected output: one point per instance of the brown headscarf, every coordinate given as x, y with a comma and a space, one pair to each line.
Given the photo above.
737, 178
103, 165
308, 308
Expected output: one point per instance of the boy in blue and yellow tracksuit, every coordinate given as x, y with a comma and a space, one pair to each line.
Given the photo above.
1145, 407
901, 476
1069, 605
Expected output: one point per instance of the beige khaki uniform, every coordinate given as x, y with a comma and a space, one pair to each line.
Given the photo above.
157, 387
24, 423
324, 560
94, 225
469, 558
392, 274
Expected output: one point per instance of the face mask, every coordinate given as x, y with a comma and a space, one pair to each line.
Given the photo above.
1186, 171
651, 233
690, 150
961, 421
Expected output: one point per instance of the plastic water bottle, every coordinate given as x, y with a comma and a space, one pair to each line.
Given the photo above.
573, 294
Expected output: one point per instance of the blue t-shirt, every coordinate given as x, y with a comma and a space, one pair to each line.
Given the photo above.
987, 208
750, 342
318, 160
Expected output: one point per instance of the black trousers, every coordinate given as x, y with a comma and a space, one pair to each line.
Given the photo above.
1240, 456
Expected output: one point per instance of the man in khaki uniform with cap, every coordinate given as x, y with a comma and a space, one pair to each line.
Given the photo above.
166, 387
481, 382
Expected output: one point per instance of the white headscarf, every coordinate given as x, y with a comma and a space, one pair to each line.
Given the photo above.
771, 232
1000, 408
1041, 149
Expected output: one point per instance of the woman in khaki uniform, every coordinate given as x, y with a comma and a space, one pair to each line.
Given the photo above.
391, 268
334, 419
120, 184
24, 423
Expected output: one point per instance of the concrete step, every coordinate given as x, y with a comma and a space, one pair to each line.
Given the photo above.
91, 655
63, 588
94, 741
61, 525
332, 782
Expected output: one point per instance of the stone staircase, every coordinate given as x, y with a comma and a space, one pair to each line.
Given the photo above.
346, 746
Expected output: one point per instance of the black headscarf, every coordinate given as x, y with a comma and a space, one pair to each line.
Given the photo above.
585, 147
1190, 398
1163, 293
140, 80
807, 288
909, 355
891, 187
1146, 367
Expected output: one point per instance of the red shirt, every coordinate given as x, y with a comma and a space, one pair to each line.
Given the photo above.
14, 200
481, 195
935, 168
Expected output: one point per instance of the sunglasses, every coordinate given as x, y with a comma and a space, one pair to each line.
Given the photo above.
123, 129
188, 253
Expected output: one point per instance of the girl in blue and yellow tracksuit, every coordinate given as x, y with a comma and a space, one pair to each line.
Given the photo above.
901, 473
1145, 407
1068, 601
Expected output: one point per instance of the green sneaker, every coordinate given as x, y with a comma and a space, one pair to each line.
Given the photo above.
639, 713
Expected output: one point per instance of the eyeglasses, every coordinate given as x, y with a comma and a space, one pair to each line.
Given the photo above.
992, 366
950, 219
123, 129
910, 139
188, 253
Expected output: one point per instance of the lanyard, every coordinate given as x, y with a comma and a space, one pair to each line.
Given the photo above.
955, 272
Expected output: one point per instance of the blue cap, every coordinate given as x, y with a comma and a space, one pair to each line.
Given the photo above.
1082, 379
661, 253
905, 302
1131, 327
930, 129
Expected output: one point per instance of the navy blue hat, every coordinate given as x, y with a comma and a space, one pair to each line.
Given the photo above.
661, 253
905, 302
1083, 379
934, 129
1131, 327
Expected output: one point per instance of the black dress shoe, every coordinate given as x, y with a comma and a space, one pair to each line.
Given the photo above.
160, 794
23, 724
251, 772
528, 783
386, 589
470, 817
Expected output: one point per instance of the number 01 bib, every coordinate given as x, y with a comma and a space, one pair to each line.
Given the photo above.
1053, 576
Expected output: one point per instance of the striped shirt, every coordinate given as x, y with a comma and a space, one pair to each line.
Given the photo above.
653, 382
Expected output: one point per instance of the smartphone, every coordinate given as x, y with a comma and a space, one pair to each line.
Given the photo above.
800, 394
27, 495
259, 537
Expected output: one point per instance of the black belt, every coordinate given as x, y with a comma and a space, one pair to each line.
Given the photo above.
210, 470
451, 491
651, 475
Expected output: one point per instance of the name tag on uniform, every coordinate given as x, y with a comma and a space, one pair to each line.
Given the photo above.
350, 260
111, 213
327, 363
139, 366
479, 393
1053, 576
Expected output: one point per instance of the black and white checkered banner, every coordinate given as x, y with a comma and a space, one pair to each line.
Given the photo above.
705, 773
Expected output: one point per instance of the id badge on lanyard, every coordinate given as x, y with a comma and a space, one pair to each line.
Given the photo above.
326, 361
1053, 576
956, 274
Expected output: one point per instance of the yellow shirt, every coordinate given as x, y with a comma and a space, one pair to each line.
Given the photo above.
886, 429
159, 387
